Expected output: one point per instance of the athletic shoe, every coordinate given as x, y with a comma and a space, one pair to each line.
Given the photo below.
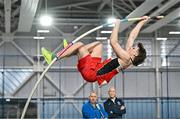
48, 56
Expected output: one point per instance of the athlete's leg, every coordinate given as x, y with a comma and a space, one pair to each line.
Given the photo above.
97, 50
73, 50
81, 49
77, 49
87, 49
91, 46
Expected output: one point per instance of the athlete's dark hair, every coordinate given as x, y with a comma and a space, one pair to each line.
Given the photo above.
139, 59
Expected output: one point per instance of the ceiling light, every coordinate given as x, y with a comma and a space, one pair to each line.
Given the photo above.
106, 31
161, 38
39, 38
45, 20
174, 32
111, 20
101, 38
43, 31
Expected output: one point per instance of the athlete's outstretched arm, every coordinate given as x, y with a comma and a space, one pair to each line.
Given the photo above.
134, 33
120, 52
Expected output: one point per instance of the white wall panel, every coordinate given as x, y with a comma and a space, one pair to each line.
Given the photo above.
173, 87
139, 84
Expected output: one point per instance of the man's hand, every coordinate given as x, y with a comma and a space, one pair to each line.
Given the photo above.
122, 108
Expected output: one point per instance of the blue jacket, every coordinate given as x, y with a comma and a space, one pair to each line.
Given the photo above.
89, 111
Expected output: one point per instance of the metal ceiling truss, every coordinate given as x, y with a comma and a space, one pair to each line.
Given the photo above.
101, 6
108, 2
121, 8
1, 13
132, 4
75, 4
78, 30
59, 30
82, 8
7, 9
15, 12
162, 9
1, 2
143, 9
27, 13
167, 19
127, 5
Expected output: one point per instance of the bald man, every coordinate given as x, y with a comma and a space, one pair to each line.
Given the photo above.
114, 106
92, 109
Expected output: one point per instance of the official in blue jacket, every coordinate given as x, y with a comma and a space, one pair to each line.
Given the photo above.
92, 109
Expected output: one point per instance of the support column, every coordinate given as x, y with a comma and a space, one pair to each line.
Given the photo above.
157, 65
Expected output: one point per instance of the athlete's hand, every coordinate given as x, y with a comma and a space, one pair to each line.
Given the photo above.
145, 18
117, 22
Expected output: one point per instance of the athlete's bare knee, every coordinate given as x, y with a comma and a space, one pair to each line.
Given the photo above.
80, 44
81, 49
97, 42
100, 45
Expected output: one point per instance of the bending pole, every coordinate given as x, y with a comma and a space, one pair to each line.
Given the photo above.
35, 87
63, 50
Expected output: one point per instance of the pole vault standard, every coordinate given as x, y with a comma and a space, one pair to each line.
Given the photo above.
66, 48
